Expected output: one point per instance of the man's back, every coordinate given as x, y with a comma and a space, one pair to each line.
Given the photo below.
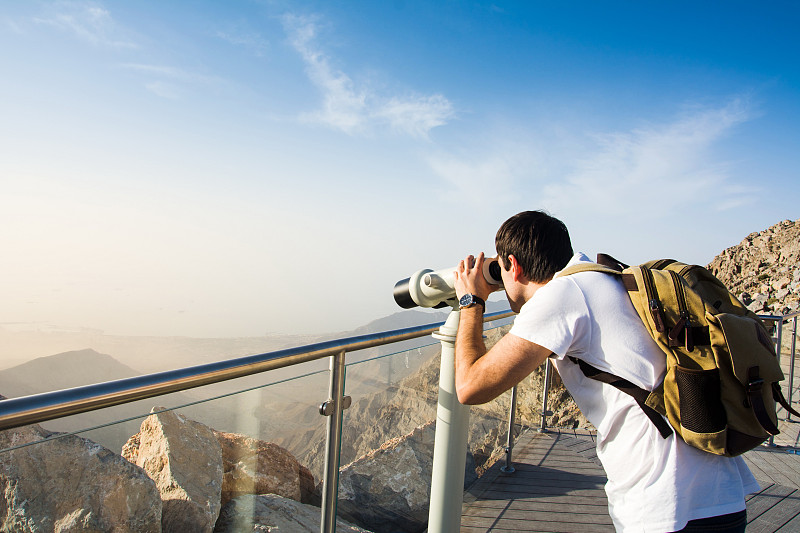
655, 484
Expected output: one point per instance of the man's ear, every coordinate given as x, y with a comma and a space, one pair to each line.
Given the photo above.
515, 268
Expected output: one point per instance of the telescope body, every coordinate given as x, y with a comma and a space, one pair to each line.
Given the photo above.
429, 288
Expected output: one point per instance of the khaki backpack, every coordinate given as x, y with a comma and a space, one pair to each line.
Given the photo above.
722, 381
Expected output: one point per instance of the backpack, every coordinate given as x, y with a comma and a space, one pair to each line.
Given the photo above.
721, 386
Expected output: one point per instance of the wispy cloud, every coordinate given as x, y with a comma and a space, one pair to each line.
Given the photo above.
656, 170
173, 73
166, 81
653, 171
356, 108
11, 25
489, 174
163, 89
252, 41
88, 21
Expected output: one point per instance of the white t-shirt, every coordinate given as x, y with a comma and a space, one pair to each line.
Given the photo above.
654, 484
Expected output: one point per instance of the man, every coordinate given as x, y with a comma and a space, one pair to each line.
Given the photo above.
654, 484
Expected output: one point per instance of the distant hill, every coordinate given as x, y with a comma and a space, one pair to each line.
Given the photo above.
62, 371
402, 319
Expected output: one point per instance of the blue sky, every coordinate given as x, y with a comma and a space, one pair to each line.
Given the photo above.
238, 168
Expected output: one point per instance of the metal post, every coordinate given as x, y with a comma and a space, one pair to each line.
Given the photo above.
779, 342
508, 468
333, 409
548, 370
778, 322
791, 365
450, 444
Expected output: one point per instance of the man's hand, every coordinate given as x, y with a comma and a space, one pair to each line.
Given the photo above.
469, 278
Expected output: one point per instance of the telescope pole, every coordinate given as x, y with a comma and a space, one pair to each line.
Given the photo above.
450, 444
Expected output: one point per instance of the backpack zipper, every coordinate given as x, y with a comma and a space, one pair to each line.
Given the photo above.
652, 299
684, 322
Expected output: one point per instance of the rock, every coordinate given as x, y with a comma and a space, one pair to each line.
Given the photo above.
253, 466
781, 283
388, 489
72, 484
184, 458
765, 262
271, 512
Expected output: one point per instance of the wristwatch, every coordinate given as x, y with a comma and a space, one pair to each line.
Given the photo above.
468, 300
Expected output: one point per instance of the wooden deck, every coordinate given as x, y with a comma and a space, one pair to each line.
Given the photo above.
558, 487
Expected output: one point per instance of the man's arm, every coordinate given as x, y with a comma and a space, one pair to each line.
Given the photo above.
481, 376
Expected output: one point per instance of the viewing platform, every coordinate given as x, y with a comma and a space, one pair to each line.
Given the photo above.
557, 486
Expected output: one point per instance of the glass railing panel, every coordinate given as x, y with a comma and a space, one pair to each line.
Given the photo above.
211, 446
387, 437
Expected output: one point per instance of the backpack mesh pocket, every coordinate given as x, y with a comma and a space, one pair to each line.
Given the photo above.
699, 395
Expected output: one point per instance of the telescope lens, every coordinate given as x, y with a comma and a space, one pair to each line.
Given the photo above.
402, 294
494, 271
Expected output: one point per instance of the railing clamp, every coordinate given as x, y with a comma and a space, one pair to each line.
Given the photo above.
328, 408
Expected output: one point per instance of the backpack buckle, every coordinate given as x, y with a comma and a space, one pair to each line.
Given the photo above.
754, 385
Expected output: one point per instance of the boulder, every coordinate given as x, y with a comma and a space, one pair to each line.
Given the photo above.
70, 483
184, 458
388, 489
271, 512
253, 466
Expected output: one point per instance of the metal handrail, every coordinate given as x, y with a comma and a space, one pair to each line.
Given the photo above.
36, 408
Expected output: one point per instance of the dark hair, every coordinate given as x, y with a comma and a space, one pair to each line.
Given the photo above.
539, 241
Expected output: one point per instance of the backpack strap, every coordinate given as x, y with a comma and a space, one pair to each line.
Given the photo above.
756, 400
587, 267
637, 393
607, 260
777, 393
629, 280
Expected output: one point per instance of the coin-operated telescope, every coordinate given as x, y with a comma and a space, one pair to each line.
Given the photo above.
428, 288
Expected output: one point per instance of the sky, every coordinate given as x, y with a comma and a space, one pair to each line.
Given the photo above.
244, 168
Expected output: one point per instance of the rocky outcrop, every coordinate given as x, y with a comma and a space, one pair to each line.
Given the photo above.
199, 470
253, 466
273, 513
72, 484
389, 489
762, 270
184, 458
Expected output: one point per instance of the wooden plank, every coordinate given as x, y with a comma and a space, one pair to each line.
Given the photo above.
765, 500
792, 526
783, 510
771, 466
546, 526
483, 508
544, 493
763, 488
554, 513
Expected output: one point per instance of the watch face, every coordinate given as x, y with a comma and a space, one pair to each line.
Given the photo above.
465, 300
